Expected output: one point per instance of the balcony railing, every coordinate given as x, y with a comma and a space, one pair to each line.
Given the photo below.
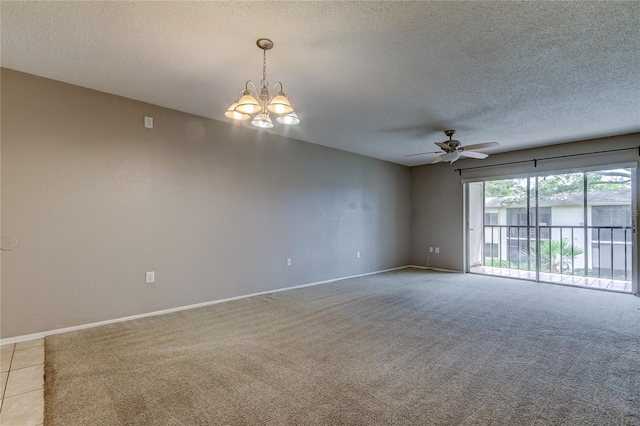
590, 251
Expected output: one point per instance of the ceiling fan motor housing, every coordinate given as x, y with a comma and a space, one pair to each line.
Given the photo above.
454, 144
453, 149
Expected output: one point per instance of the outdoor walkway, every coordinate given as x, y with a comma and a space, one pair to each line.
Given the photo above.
600, 283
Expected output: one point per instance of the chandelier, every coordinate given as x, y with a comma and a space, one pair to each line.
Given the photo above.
251, 105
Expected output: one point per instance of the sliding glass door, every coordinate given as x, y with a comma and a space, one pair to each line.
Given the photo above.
569, 228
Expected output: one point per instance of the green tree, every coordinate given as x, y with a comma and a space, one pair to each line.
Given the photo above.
560, 184
513, 192
555, 255
605, 180
609, 180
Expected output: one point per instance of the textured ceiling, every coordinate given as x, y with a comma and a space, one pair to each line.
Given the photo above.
383, 79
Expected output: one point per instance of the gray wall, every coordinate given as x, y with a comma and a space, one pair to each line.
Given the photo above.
436, 217
437, 210
95, 200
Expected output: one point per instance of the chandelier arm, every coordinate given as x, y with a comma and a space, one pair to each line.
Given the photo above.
255, 89
274, 86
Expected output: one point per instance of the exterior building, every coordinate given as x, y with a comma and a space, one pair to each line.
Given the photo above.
595, 234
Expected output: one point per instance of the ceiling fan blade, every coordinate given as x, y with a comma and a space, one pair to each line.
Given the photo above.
437, 160
480, 146
473, 154
443, 145
423, 153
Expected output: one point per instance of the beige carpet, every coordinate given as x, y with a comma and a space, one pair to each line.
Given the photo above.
402, 348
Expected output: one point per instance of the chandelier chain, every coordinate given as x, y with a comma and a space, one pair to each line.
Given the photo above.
264, 69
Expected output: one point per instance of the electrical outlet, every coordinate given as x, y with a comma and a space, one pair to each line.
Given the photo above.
151, 277
288, 261
358, 254
437, 250
430, 249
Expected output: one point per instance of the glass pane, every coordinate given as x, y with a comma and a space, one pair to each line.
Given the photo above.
609, 223
568, 227
561, 200
561, 222
505, 220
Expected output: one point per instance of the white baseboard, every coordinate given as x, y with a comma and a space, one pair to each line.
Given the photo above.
40, 335
429, 268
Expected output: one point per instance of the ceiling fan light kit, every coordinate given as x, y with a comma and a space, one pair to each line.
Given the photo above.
250, 102
453, 150
450, 157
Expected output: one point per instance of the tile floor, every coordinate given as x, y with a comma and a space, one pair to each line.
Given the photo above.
22, 387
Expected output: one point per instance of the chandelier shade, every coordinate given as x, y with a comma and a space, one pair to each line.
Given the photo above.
263, 121
248, 104
280, 104
236, 115
260, 104
290, 119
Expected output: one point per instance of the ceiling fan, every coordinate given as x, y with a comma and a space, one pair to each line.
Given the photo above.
454, 150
